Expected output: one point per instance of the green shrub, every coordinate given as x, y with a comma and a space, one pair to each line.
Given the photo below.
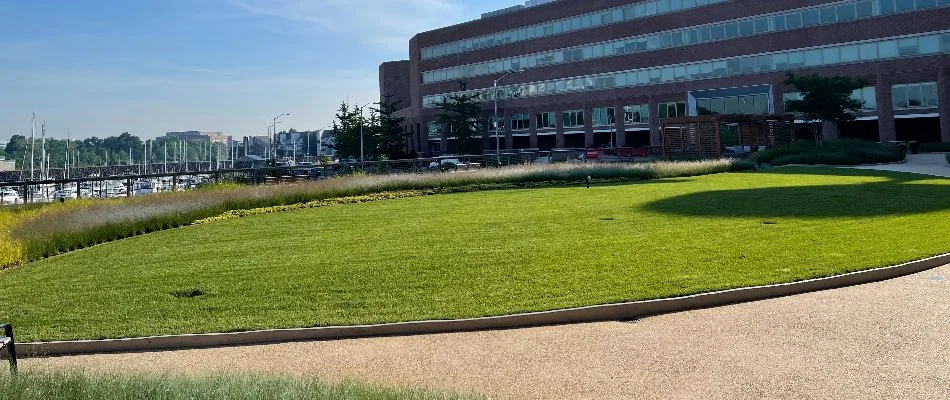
934, 147
837, 152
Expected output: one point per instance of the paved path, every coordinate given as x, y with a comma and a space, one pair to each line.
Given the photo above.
928, 164
887, 340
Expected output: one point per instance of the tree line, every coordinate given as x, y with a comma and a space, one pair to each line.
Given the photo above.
112, 150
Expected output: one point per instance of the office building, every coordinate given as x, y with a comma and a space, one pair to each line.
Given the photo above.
604, 73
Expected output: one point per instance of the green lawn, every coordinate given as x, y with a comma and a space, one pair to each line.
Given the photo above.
482, 253
76, 386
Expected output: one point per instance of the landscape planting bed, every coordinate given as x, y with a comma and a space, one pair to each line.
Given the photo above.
482, 253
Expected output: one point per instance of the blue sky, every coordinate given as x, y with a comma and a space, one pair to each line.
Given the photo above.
103, 67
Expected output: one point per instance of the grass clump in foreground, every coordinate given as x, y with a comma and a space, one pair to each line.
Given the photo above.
77, 386
483, 253
56, 229
835, 152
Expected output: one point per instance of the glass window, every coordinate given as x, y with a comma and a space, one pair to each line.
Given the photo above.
929, 44
811, 18
546, 120
922, 4
868, 51
812, 58
899, 93
869, 95
603, 116
573, 118
907, 47
830, 56
929, 94
732, 105
717, 32
793, 20
702, 107
732, 30
886, 6
717, 106
746, 28
864, 9
746, 105
887, 49
904, 5
780, 61
520, 122
850, 54
846, 12
764, 63
761, 106
638, 114
915, 96
733, 67
747, 65
778, 22
762, 25
827, 15
796, 59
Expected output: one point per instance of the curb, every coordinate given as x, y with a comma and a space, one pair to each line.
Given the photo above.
600, 313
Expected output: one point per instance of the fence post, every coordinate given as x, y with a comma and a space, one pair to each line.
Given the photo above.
11, 346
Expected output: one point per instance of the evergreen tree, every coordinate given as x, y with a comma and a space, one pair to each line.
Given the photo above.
392, 138
460, 117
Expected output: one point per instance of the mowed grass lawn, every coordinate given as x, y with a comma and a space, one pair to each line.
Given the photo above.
483, 253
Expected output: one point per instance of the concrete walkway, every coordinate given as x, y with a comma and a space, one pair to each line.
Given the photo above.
927, 164
884, 340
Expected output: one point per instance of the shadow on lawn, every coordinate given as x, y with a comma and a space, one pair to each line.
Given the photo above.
897, 196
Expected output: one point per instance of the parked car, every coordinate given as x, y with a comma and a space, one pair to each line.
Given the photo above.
65, 194
9, 196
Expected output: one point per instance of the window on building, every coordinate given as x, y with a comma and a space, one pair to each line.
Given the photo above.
573, 118
520, 122
603, 116
791, 96
639, 114
915, 95
868, 95
435, 129
546, 120
671, 110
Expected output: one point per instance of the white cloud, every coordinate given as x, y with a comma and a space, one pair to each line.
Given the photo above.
375, 22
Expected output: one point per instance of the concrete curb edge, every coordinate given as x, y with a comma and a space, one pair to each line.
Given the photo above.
599, 313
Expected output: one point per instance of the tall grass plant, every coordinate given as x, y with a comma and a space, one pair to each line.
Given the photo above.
77, 386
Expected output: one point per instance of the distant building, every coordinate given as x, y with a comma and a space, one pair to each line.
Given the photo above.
256, 145
326, 144
6, 166
196, 136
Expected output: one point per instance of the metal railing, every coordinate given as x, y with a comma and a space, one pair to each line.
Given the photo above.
7, 343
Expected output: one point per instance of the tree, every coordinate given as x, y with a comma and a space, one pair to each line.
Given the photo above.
346, 132
459, 116
825, 99
393, 140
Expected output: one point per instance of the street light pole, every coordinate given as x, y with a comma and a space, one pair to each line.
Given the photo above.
495, 120
274, 133
361, 134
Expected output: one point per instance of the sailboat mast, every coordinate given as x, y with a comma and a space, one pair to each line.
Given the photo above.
33, 147
43, 151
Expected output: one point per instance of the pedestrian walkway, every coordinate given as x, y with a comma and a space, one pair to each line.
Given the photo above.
934, 164
885, 340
